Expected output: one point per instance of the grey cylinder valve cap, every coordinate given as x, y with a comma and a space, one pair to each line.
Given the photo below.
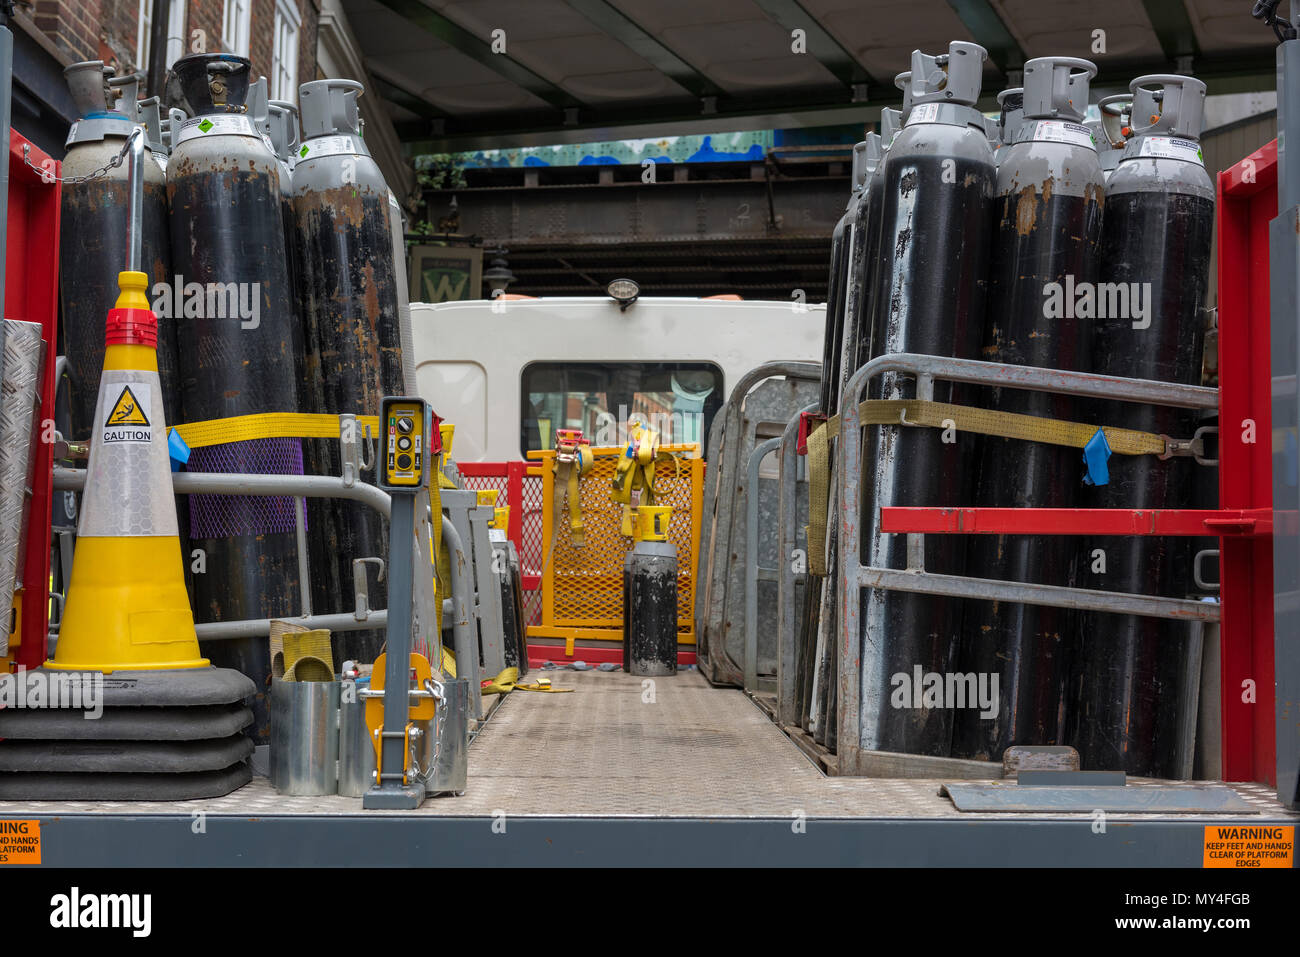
329, 107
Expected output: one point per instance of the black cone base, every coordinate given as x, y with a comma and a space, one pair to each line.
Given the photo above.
73, 786
134, 735
127, 724
126, 757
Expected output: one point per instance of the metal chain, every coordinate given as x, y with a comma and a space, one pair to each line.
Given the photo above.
49, 177
438, 690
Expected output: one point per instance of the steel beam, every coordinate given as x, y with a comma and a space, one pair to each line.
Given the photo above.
617, 214
479, 49
781, 110
824, 106
404, 839
406, 99
614, 23
1173, 27
990, 32
823, 47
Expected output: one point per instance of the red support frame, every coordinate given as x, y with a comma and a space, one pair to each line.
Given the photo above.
514, 474
1247, 202
32, 295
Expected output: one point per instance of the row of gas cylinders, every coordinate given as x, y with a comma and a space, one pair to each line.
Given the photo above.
1036, 240
277, 272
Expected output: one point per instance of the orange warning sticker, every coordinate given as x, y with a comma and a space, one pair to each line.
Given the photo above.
20, 842
127, 410
1249, 845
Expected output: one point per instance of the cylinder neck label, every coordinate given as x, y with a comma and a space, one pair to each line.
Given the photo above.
1059, 131
1171, 147
925, 113
331, 146
202, 126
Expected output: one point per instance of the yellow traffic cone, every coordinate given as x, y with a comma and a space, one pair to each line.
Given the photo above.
127, 608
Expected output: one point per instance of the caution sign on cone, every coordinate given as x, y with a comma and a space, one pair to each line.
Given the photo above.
129, 410
127, 608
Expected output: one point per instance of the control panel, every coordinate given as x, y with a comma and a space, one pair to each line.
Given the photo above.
406, 444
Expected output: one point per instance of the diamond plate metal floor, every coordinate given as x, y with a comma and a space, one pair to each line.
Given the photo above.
611, 749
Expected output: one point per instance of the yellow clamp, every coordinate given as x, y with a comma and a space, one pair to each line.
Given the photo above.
654, 521
573, 457
421, 709
636, 466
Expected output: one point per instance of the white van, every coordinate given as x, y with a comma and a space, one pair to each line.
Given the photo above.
509, 372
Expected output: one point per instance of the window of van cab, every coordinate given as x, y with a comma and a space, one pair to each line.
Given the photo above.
678, 399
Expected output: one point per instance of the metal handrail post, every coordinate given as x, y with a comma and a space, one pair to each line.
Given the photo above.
787, 578
464, 640
756, 457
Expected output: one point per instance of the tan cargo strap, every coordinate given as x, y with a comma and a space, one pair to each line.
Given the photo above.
1007, 425
573, 456
819, 475
942, 415
569, 473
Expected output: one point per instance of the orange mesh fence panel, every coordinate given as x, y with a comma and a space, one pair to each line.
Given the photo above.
582, 588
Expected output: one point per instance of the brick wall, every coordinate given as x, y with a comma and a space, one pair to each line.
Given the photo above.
73, 26
107, 30
118, 31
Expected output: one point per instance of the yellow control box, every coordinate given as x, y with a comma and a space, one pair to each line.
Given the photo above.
406, 452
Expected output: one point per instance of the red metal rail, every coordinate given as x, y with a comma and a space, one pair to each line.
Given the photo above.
1078, 521
32, 294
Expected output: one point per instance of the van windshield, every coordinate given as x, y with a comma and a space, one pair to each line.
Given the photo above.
678, 399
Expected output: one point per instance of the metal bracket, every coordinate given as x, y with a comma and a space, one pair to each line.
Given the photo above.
1178, 448
916, 551
349, 449
806, 428
1199, 453
368, 459
361, 584
1201, 583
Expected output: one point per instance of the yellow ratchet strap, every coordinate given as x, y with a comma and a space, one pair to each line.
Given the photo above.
573, 457
269, 425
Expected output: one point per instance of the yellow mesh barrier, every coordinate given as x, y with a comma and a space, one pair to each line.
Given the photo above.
582, 588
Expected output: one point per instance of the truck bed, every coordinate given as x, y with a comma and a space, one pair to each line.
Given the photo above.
607, 776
